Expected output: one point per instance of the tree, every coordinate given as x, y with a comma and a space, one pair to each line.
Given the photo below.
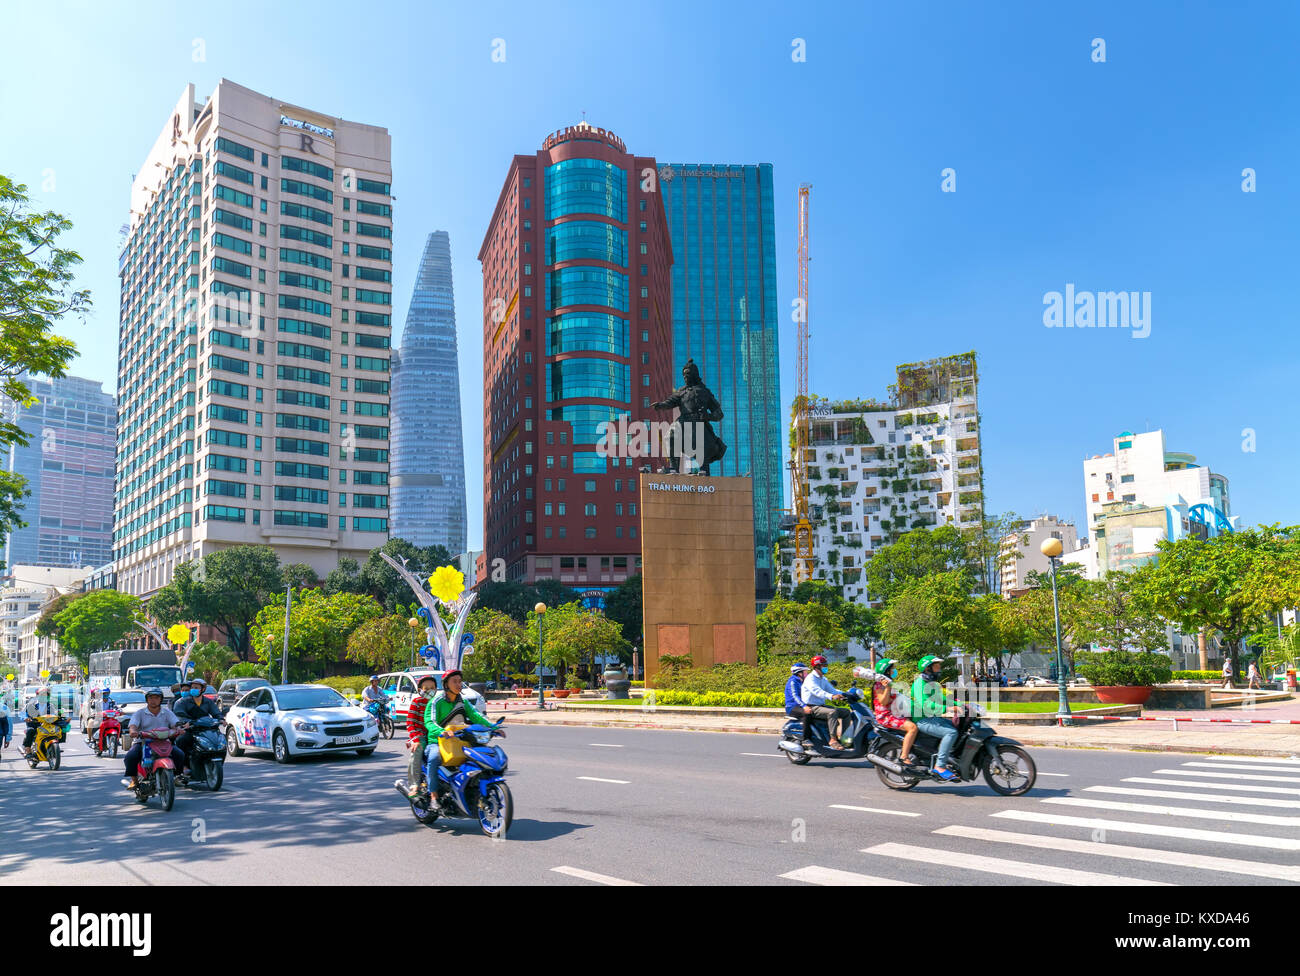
345, 578
1033, 610
508, 597
919, 553
796, 636
35, 282
319, 627
210, 659
378, 643
987, 555
582, 637
300, 576
822, 622
554, 593
988, 628
924, 616
98, 620
383, 582
46, 627
857, 621
623, 606
226, 589
500, 645
1115, 615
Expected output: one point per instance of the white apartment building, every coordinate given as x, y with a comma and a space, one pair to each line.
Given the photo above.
1027, 540
24, 590
253, 365
876, 471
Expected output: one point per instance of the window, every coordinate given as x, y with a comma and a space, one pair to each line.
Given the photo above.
589, 485
589, 509
1125, 479
307, 166
586, 186
589, 532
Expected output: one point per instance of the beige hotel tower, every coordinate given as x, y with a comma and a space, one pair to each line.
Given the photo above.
253, 350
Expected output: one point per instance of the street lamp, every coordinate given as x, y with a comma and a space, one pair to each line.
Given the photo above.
413, 623
1051, 548
541, 694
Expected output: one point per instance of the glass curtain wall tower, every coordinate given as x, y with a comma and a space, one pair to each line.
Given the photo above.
428, 476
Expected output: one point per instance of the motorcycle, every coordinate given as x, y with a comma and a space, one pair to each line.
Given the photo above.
474, 789
107, 736
207, 755
858, 732
978, 749
157, 773
50, 730
380, 711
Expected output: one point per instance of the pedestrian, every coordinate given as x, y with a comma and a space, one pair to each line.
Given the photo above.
1227, 674
1253, 676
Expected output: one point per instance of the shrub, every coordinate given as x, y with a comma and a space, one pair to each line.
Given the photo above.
721, 699
244, 669
1198, 675
346, 685
742, 678
1136, 668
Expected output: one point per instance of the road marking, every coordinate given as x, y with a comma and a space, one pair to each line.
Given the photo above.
1261, 869
1267, 779
604, 879
605, 745
1245, 769
1258, 801
1157, 830
830, 876
1230, 816
893, 813
597, 779
1251, 759
1041, 773
764, 755
1012, 869
1241, 787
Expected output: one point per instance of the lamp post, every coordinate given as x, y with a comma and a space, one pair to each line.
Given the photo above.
541, 694
413, 623
268, 638
1051, 548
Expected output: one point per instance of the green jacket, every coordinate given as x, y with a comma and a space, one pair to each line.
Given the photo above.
440, 709
928, 698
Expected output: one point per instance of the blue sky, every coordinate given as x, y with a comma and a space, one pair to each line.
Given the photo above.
1123, 175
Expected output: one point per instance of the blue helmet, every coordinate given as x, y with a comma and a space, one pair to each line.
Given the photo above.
797, 667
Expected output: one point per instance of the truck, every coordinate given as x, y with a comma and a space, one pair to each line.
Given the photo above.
135, 670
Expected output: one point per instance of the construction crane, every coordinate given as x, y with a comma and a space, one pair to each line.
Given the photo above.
802, 414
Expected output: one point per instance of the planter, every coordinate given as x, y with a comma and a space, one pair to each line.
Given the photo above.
616, 684
523, 692
560, 693
1122, 694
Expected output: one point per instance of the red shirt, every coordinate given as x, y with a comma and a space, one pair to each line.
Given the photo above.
415, 717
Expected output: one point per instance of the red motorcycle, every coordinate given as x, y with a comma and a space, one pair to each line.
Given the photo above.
108, 736
157, 773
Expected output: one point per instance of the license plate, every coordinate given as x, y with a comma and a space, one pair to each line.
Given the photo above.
344, 740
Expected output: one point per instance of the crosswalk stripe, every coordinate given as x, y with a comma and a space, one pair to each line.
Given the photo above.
1217, 775
1240, 787
605, 745
830, 876
1252, 768
998, 865
894, 813
1252, 759
1259, 869
1231, 816
604, 879
1156, 830
1256, 801
600, 779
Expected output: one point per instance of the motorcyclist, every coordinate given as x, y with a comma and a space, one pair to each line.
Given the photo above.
929, 704
417, 736
818, 695
154, 715
373, 693
885, 716
38, 706
794, 706
449, 708
189, 707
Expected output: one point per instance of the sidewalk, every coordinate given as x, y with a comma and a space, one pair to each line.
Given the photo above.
1258, 740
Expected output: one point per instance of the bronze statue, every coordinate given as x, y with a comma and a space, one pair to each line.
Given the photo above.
699, 408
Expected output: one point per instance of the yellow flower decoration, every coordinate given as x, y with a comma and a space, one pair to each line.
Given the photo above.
178, 634
447, 583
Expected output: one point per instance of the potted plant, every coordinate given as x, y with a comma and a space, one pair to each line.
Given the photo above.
575, 684
1123, 677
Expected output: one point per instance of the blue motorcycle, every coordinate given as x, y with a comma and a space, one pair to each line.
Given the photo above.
475, 789
858, 733
380, 711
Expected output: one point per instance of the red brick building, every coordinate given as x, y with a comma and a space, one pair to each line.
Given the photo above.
577, 330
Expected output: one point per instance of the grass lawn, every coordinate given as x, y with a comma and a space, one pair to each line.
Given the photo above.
1007, 708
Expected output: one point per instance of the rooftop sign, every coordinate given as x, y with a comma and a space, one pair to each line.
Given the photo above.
583, 130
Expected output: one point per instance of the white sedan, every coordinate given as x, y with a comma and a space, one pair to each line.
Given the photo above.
298, 720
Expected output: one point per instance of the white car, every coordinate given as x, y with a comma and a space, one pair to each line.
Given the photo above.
298, 720
400, 687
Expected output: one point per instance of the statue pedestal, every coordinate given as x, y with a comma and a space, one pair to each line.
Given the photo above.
697, 569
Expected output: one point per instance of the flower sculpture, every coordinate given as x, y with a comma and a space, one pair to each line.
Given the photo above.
447, 583
447, 591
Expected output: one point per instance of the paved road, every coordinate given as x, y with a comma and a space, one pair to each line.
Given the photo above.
658, 807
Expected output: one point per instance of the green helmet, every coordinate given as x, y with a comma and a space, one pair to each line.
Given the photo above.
884, 664
926, 661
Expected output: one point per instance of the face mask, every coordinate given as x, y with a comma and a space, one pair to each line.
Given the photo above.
196, 692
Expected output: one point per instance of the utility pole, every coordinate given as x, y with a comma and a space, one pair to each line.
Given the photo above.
284, 656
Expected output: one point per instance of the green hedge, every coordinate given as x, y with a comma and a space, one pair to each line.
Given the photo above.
1198, 675
1135, 668
721, 699
741, 678
354, 684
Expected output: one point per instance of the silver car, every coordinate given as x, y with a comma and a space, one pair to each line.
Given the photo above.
298, 720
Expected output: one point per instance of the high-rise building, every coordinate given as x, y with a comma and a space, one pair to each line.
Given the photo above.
878, 470
725, 318
577, 331
68, 463
1022, 553
253, 362
428, 462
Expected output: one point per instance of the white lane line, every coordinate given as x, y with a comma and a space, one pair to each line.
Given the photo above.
1231, 816
1011, 869
1041, 773
1216, 775
1254, 759
764, 755
1240, 787
1253, 768
598, 779
604, 879
605, 745
829, 876
1255, 801
1260, 869
892, 813
1157, 830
